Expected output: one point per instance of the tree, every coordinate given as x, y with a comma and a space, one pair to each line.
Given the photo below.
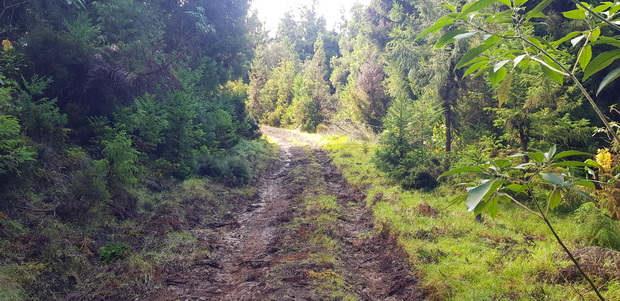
405, 151
371, 100
490, 57
14, 149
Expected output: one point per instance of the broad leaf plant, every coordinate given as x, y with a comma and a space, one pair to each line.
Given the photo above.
497, 23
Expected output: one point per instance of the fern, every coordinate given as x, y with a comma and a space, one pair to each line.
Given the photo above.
13, 149
601, 229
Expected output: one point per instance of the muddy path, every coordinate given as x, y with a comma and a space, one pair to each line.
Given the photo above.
308, 237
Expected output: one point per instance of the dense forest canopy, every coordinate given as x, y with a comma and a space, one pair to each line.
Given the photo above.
102, 102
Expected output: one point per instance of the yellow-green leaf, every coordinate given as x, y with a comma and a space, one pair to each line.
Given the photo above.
439, 24
555, 76
600, 62
586, 56
475, 67
537, 9
575, 14
472, 54
476, 6
519, 2
567, 37
504, 90
450, 7
448, 37
613, 75
497, 76
555, 198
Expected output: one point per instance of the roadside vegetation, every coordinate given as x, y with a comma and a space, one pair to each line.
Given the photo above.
472, 127
461, 257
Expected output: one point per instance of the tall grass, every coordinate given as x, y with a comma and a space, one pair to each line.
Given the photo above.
511, 257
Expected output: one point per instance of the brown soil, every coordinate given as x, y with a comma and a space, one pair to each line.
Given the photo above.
264, 253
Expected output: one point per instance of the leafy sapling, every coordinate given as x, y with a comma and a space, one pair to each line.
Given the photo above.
508, 180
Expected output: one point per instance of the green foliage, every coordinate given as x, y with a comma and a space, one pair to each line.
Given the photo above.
504, 177
601, 229
498, 29
231, 170
219, 125
184, 137
113, 251
146, 121
14, 151
122, 161
40, 116
405, 152
304, 111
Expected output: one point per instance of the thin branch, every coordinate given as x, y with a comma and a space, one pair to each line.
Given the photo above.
521, 204
581, 87
6, 7
568, 252
598, 16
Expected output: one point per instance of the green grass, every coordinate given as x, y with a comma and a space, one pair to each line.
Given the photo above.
513, 256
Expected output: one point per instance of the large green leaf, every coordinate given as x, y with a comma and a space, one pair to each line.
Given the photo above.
493, 207
570, 163
536, 156
461, 169
553, 178
585, 183
472, 54
586, 56
475, 67
608, 41
506, 2
552, 74
448, 37
571, 153
477, 194
516, 188
567, 37
439, 24
555, 198
575, 14
610, 77
600, 62
476, 6
496, 77
538, 8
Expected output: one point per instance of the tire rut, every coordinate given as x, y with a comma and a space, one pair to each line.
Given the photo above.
265, 254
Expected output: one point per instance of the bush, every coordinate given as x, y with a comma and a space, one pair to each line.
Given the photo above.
602, 231
13, 149
114, 250
231, 170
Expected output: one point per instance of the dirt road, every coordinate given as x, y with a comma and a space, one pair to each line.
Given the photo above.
308, 237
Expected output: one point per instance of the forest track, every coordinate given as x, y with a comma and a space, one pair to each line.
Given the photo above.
276, 249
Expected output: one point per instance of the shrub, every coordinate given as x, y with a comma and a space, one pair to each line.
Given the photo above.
13, 149
114, 250
601, 229
231, 170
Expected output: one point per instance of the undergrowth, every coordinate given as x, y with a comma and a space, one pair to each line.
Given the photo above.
106, 256
511, 257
